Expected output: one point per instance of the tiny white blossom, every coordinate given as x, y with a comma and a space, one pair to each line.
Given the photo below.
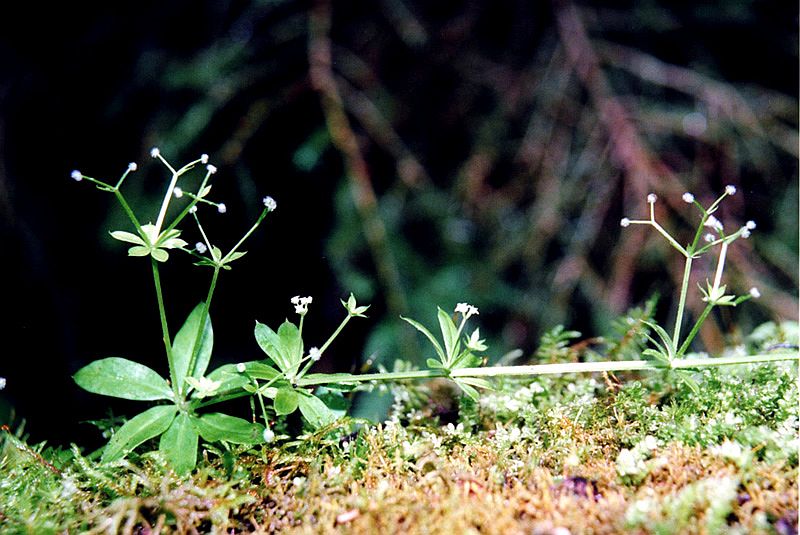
270, 203
709, 237
475, 342
688, 198
315, 354
154, 152
624, 222
2, 383
755, 293
730, 190
301, 304
221, 208
269, 435
466, 309
193, 209
651, 198
713, 222
241, 368
132, 166
211, 169
745, 233
76, 175
750, 225
178, 192
204, 158
200, 247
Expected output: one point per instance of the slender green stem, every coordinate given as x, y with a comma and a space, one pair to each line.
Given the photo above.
165, 203
687, 271
247, 234
695, 329
201, 329
332, 337
176, 389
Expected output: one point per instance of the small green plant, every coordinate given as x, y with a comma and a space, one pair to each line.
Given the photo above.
188, 353
283, 382
669, 348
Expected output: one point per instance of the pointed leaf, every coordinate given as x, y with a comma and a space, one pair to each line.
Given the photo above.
428, 335
286, 401
183, 347
449, 334
315, 411
122, 378
179, 444
127, 237
269, 342
292, 344
433, 363
468, 390
216, 426
138, 429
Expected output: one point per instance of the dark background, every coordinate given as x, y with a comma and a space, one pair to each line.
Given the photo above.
500, 141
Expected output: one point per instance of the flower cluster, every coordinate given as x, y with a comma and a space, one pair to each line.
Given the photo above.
301, 304
466, 310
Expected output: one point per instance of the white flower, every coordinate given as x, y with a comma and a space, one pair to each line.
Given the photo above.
750, 225
200, 247
193, 209
270, 203
204, 158
709, 237
178, 192
624, 222
2, 383
154, 152
211, 169
221, 208
745, 233
651, 198
729, 450
466, 309
688, 198
755, 293
241, 368
301, 304
76, 175
314, 354
132, 166
730, 190
204, 386
269, 435
713, 222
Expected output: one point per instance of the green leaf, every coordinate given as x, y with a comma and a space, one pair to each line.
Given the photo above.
235, 256
184, 345
159, 254
179, 444
449, 334
292, 344
139, 250
467, 389
216, 426
477, 381
286, 401
271, 343
429, 336
127, 237
315, 411
142, 427
334, 400
122, 378
433, 363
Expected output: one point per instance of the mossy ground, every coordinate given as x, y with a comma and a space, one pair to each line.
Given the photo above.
556, 455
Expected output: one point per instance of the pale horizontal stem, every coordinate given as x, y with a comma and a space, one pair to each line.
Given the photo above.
550, 369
